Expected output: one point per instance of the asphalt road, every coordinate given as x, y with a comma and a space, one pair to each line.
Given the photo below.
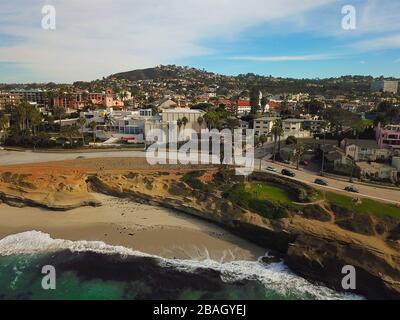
376, 193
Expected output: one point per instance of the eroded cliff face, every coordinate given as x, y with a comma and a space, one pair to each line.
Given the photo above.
315, 249
45, 187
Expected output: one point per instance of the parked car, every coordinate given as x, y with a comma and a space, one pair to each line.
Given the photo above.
269, 168
304, 163
351, 189
288, 173
321, 182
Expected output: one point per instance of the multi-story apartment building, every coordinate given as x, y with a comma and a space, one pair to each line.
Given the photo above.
388, 137
37, 96
294, 127
7, 98
385, 86
72, 101
263, 126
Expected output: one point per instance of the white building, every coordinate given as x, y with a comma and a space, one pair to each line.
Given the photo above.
385, 86
263, 126
294, 127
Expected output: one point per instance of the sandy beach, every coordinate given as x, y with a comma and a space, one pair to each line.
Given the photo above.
149, 229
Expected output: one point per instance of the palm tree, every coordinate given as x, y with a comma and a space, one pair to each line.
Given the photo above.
36, 119
59, 112
81, 122
185, 121
324, 126
93, 126
299, 150
70, 132
179, 123
4, 124
200, 121
276, 131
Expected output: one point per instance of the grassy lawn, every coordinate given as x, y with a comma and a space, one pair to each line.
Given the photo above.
263, 191
368, 206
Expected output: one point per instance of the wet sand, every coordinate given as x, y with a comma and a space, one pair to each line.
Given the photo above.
141, 227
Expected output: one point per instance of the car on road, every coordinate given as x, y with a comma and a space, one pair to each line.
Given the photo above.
272, 169
288, 173
321, 182
304, 163
351, 189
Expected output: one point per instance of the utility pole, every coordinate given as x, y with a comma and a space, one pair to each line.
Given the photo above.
323, 155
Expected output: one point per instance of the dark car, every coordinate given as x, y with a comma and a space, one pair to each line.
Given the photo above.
288, 173
351, 189
321, 182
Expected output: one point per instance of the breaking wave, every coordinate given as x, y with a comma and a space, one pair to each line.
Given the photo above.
275, 276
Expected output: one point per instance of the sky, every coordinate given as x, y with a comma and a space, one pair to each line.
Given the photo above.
283, 38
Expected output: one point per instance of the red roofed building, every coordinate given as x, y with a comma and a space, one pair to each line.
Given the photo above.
243, 106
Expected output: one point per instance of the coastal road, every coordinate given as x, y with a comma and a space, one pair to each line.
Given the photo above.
26, 157
366, 191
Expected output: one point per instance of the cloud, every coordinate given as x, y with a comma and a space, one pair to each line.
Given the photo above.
381, 43
311, 57
95, 38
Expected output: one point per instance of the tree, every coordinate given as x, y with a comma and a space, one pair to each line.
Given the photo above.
212, 119
4, 124
59, 112
298, 153
291, 140
36, 119
255, 100
263, 139
184, 122
70, 132
81, 122
93, 127
277, 131
200, 121
324, 126
179, 123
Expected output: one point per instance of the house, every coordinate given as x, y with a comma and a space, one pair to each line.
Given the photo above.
364, 150
243, 106
336, 161
378, 172
388, 137
263, 126
294, 127
313, 125
165, 104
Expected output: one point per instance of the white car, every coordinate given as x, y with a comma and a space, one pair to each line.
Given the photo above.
269, 168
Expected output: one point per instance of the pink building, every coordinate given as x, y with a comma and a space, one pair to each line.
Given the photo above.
388, 137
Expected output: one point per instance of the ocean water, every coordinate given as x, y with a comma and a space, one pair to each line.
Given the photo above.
94, 270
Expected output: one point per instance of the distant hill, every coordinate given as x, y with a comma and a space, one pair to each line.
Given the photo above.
146, 74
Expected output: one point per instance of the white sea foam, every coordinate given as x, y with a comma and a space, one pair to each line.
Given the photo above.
275, 276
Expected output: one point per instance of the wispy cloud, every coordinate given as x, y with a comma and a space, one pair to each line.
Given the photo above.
311, 57
95, 38
381, 43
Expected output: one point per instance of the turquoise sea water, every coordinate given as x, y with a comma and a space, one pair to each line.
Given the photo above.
84, 274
